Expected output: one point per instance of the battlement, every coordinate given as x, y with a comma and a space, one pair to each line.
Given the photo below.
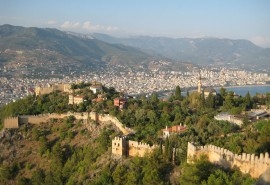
118, 139
121, 146
50, 88
140, 145
11, 122
247, 163
262, 158
11, 118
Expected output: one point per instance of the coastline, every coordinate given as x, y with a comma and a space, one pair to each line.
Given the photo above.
236, 86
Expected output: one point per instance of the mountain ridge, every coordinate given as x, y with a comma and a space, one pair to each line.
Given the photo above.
201, 51
79, 48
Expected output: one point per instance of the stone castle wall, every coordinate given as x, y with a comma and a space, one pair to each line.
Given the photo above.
14, 122
38, 119
11, 122
123, 147
119, 146
52, 88
106, 117
247, 163
140, 149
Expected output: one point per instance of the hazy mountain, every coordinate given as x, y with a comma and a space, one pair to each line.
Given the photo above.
46, 44
202, 51
78, 48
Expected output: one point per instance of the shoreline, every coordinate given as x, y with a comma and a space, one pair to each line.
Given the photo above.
236, 86
230, 87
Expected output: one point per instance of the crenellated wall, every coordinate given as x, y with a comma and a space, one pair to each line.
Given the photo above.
122, 147
51, 88
114, 120
11, 122
38, 119
247, 163
140, 149
15, 122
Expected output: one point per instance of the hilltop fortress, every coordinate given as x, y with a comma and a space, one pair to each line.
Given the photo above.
51, 88
123, 147
247, 163
120, 145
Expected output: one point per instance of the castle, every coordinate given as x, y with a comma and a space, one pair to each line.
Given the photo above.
51, 88
123, 147
247, 163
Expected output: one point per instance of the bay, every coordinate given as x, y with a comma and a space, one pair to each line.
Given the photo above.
252, 89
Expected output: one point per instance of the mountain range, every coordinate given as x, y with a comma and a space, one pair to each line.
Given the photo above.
136, 51
78, 48
201, 51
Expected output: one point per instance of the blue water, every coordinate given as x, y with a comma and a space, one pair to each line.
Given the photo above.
251, 89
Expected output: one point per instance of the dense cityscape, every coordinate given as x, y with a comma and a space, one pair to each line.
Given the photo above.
133, 83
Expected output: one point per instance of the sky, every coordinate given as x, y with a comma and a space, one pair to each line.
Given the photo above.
233, 19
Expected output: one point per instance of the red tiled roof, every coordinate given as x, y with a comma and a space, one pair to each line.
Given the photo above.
176, 129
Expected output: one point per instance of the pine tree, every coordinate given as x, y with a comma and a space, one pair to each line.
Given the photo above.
177, 94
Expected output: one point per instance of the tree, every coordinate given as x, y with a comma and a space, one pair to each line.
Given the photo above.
210, 101
135, 172
168, 150
119, 174
38, 177
229, 101
151, 115
44, 145
223, 92
248, 101
197, 172
219, 177
154, 98
177, 93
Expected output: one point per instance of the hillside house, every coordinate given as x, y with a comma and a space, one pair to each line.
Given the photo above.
120, 102
75, 99
177, 129
96, 88
228, 117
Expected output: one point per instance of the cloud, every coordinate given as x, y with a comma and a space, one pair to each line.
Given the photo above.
52, 22
112, 28
87, 26
90, 27
261, 41
96, 27
70, 25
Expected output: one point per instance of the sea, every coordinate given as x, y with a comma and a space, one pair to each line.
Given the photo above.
252, 89
240, 90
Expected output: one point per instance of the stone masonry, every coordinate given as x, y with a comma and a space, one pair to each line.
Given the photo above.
256, 166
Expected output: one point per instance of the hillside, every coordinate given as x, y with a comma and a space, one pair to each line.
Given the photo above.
19, 44
77, 150
81, 49
67, 147
201, 51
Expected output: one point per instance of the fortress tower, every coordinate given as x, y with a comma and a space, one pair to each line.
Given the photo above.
119, 146
200, 84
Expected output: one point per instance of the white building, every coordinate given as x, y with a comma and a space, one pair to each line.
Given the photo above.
230, 118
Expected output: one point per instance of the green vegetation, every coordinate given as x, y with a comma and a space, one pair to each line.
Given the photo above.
65, 152
31, 105
205, 173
